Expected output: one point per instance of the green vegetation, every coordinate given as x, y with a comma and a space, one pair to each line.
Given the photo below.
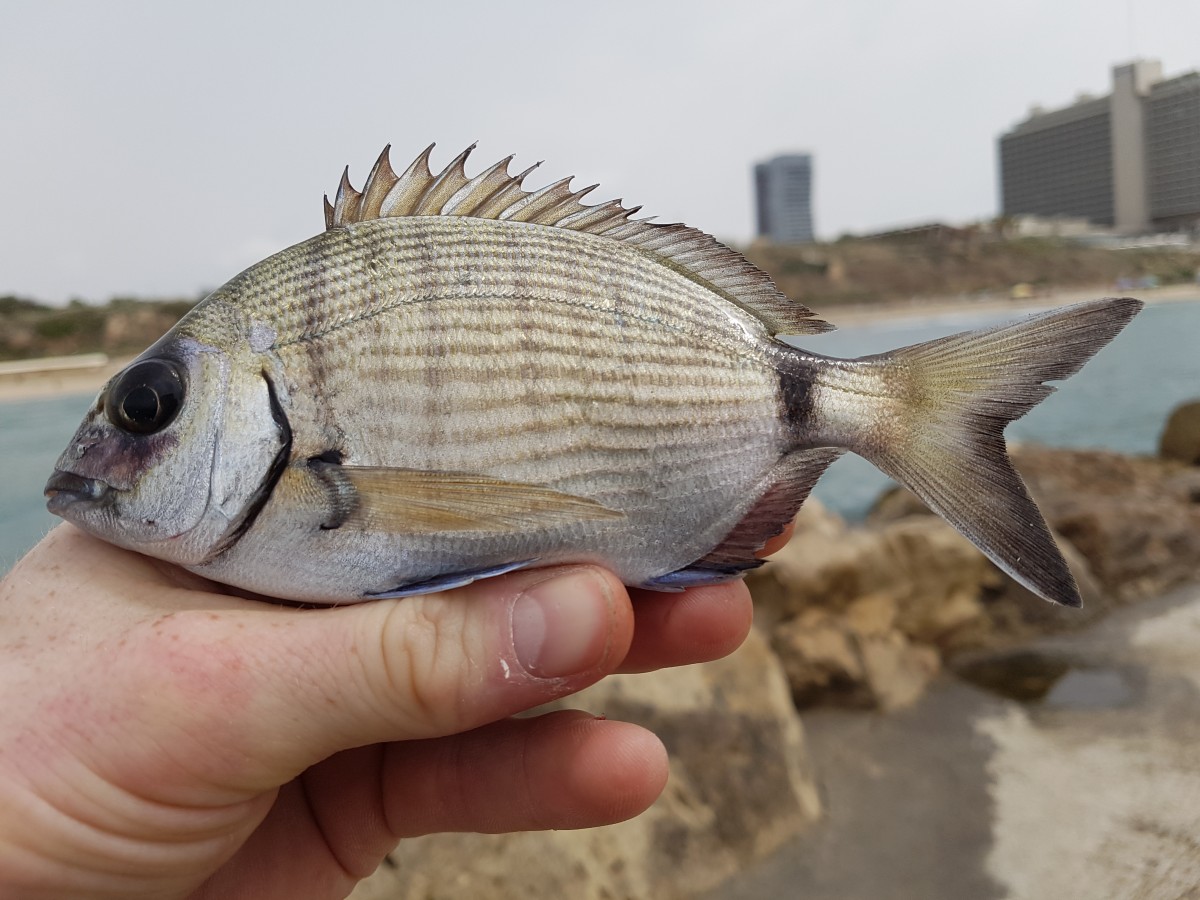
123, 326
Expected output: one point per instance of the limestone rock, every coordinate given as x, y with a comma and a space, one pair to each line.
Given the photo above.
898, 671
816, 518
857, 615
857, 659
1181, 437
1135, 520
740, 787
821, 659
933, 575
893, 504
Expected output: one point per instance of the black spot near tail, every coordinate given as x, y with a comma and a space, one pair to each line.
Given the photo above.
796, 399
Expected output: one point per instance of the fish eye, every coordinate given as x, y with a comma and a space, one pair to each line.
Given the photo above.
145, 398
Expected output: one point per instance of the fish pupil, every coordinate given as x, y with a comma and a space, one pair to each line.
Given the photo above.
141, 405
146, 397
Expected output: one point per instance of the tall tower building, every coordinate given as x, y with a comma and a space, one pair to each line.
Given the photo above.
783, 198
1129, 159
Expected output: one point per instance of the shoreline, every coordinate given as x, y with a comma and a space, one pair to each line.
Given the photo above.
58, 382
932, 307
63, 382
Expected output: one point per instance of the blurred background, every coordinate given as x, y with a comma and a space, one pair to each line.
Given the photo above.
908, 170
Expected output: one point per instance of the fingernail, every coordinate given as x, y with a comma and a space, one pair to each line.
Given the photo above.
560, 626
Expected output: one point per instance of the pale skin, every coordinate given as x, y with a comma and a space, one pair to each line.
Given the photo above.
162, 738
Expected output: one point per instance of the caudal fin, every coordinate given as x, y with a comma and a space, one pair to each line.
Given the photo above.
945, 442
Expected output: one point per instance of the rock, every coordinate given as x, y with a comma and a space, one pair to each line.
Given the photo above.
1184, 485
1181, 437
861, 616
1135, 521
856, 615
1013, 613
821, 659
740, 787
816, 518
873, 615
816, 529
933, 575
858, 659
893, 504
942, 576
898, 671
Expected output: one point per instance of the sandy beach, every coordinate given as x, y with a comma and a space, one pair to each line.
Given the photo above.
926, 307
57, 382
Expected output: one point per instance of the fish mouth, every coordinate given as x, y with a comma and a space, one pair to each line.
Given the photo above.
65, 489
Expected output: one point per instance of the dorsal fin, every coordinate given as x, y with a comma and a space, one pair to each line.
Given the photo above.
495, 194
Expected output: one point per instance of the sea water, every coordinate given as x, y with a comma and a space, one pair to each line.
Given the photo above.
1120, 401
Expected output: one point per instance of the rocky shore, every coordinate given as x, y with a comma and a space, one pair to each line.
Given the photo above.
868, 616
926, 677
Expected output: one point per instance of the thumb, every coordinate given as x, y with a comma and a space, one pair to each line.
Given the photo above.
311, 682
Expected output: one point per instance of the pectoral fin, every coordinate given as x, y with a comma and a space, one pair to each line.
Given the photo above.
412, 501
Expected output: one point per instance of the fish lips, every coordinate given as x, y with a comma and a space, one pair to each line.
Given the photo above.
65, 490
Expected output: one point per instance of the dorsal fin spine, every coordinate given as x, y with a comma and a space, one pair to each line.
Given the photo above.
381, 180
408, 188
534, 203
479, 190
553, 215
591, 218
444, 184
345, 205
502, 199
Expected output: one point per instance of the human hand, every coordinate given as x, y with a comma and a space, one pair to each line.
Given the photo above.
162, 738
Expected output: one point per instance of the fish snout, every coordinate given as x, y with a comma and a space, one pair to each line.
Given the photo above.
66, 488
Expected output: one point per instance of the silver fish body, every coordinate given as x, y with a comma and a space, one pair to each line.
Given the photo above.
458, 378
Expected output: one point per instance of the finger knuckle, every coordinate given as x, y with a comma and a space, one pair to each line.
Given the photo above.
422, 652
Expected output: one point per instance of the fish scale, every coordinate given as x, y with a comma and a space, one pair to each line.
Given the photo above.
459, 377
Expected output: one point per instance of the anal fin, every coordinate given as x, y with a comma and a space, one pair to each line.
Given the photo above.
448, 581
796, 475
694, 576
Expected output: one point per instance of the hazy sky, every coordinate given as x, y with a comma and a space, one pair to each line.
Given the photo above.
158, 148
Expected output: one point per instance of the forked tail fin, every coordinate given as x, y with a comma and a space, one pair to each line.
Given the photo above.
953, 397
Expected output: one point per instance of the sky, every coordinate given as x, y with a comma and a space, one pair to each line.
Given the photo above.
156, 149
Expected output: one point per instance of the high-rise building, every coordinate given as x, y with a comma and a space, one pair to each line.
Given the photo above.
1130, 159
783, 198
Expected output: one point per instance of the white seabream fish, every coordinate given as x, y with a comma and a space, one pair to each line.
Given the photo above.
459, 378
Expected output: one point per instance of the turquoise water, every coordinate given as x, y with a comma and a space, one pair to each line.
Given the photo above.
1119, 401
32, 434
